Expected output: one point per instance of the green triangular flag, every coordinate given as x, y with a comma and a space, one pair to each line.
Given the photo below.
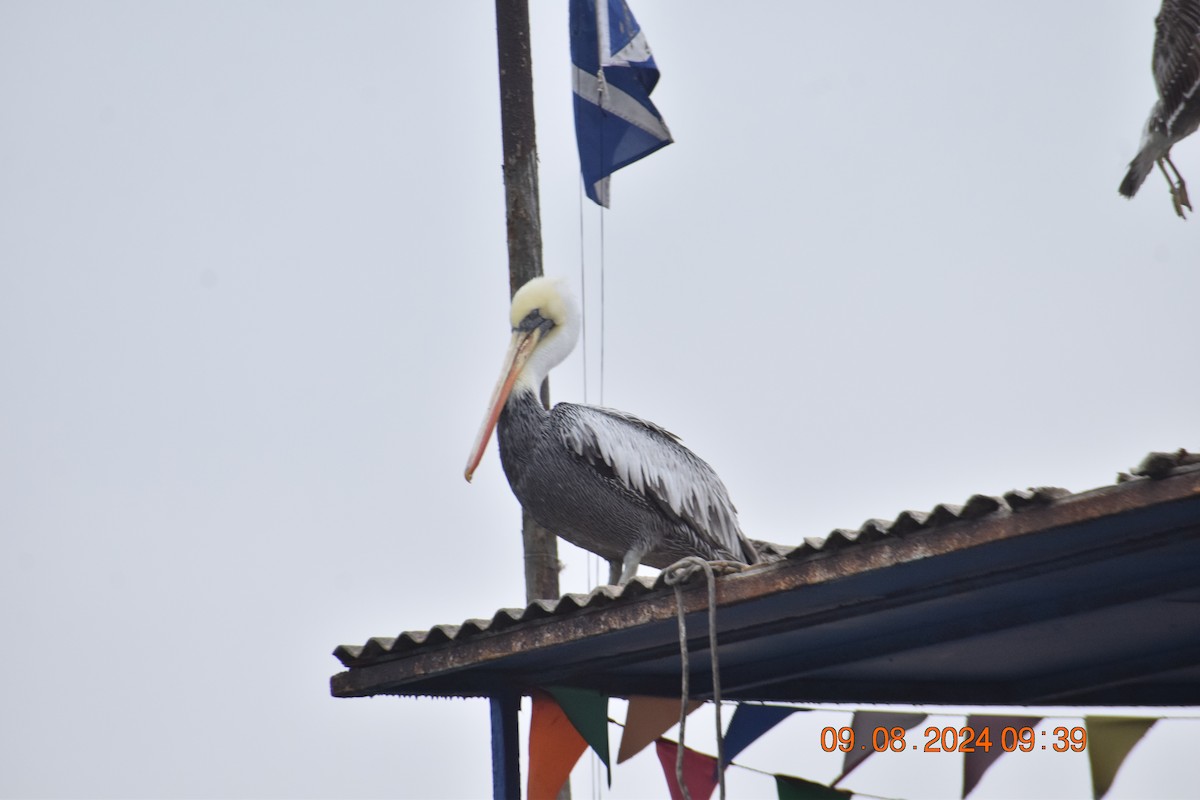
1109, 741
791, 788
588, 712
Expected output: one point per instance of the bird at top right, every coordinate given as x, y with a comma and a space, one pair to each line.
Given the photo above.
1176, 114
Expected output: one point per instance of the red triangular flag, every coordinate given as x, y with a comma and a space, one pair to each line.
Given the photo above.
699, 770
554, 747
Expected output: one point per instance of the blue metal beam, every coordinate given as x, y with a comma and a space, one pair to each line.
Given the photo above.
506, 751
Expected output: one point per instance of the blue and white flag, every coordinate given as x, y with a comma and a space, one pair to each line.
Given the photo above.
615, 122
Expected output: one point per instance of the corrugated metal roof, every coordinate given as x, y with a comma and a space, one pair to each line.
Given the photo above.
908, 523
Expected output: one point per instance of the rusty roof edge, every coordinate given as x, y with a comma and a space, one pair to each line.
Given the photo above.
539, 611
649, 605
443, 658
907, 522
1155, 466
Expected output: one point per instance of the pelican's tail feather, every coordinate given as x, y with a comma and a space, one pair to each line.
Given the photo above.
1139, 168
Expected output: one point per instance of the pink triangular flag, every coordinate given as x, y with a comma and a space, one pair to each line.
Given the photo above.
699, 770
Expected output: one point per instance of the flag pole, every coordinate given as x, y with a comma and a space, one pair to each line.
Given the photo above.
524, 234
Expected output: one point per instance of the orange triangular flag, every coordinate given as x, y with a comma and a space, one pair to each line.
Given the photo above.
647, 719
554, 747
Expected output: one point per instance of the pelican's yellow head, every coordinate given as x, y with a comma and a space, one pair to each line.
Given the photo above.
546, 296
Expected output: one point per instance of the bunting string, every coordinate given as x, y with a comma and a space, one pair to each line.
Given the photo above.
1109, 740
746, 767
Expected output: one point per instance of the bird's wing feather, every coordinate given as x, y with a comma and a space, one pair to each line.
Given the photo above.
651, 461
1177, 57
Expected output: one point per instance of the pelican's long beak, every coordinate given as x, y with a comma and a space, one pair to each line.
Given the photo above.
522, 344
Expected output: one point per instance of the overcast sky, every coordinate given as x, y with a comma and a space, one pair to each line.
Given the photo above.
253, 296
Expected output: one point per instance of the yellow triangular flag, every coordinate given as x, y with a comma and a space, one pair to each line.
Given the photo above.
1109, 741
647, 719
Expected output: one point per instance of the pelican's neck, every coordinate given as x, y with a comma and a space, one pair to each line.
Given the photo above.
551, 351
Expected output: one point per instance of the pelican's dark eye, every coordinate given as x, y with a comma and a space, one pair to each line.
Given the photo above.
534, 320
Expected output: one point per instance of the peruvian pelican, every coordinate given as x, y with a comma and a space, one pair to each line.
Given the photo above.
604, 480
1176, 114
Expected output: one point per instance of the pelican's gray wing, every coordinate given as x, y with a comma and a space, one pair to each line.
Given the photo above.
1177, 64
651, 461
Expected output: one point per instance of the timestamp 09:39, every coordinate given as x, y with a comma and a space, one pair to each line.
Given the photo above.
939, 739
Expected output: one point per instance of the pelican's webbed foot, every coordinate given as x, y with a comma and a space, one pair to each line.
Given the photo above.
1181, 199
1179, 194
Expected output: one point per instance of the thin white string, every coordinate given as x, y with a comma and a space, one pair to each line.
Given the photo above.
602, 337
593, 561
583, 292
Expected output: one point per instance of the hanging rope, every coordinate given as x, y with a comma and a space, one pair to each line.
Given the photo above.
676, 575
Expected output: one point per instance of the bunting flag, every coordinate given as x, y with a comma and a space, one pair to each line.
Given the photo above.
647, 719
554, 748
976, 763
565, 721
614, 74
864, 724
791, 788
699, 770
1109, 740
750, 721
588, 712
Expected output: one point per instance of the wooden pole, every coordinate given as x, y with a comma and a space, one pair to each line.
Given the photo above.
524, 233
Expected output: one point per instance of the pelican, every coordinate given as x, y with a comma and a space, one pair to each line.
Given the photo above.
604, 480
1176, 114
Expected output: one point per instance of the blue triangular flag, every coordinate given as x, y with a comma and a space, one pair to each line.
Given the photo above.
749, 723
614, 73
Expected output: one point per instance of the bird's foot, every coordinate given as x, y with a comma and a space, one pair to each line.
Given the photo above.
628, 565
1179, 195
1177, 207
